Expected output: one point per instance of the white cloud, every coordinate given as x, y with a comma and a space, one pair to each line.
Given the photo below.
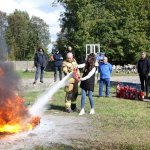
36, 8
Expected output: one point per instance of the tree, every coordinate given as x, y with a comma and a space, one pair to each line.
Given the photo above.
25, 35
18, 34
3, 45
41, 31
121, 27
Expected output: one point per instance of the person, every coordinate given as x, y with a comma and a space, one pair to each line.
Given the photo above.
58, 59
143, 68
70, 50
40, 62
71, 88
105, 70
87, 82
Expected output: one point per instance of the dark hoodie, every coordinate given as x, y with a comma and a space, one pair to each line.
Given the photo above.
143, 66
40, 59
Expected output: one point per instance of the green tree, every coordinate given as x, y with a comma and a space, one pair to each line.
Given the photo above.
40, 31
3, 45
18, 34
25, 35
121, 27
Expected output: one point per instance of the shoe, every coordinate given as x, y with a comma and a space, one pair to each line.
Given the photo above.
107, 95
75, 108
34, 82
69, 110
41, 81
92, 111
82, 112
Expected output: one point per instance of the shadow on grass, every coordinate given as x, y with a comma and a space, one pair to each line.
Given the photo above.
56, 107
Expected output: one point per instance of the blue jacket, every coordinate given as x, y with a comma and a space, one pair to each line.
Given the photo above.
105, 70
58, 60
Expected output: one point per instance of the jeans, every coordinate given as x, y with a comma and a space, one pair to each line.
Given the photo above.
101, 83
144, 83
83, 98
55, 73
38, 69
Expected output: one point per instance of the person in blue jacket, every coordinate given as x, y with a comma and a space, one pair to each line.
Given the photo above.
58, 59
105, 70
40, 62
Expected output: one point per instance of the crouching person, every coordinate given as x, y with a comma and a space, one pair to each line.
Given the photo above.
71, 88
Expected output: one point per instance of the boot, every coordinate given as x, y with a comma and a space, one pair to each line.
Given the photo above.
34, 82
41, 81
73, 106
69, 110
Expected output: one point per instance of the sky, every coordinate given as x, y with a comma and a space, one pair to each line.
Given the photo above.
40, 8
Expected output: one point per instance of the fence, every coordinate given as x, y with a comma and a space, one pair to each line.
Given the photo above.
29, 65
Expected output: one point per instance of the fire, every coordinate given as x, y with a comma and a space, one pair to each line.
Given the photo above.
1, 72
14, 116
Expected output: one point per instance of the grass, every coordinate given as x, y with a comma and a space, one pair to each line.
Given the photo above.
30, 75
30, 97
117, 124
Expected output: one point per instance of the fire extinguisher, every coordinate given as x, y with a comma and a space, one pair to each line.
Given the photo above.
75, 75
141, 95
118, 90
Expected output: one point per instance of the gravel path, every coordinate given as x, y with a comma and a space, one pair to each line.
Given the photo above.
132, 79
52, 129
27, 84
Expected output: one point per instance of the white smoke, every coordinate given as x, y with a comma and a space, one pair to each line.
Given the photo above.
38, 107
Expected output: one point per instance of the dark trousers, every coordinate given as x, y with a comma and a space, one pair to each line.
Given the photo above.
38, 70
59, 68
144, 83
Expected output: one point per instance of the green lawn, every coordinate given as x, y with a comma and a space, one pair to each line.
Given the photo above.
117, 124
29, 75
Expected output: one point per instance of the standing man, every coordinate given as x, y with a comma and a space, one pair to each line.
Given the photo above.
105, 70
71, 88
143, 67
58, 59
40, 62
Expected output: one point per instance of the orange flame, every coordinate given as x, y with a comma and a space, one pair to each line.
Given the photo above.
14, 116
1, 72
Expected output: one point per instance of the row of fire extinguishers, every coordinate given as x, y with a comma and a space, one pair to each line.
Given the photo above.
127, 92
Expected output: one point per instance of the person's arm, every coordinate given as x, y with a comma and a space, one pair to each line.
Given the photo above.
81, 65
148, 65
64, 68
89, 75
35, 59
110, 68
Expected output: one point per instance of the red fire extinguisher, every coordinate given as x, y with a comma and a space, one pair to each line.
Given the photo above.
75, 75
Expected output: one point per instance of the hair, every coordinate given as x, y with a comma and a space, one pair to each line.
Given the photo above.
143, 52
90, 62
40, 48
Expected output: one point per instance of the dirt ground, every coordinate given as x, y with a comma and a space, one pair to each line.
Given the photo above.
52, 129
